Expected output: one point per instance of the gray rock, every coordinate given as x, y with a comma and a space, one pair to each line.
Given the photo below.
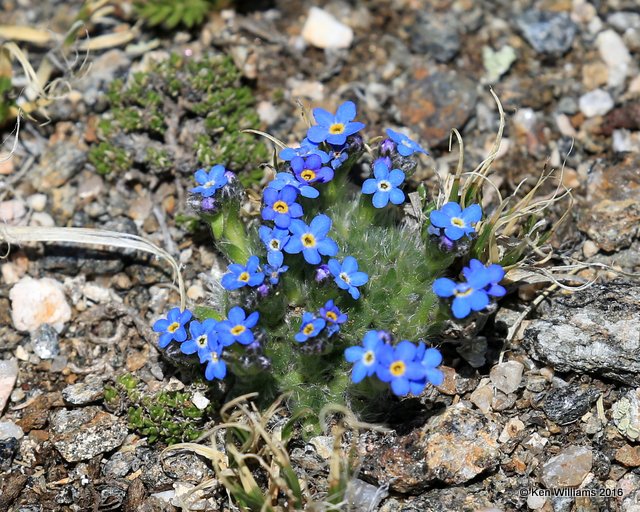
432, 106
549, 33
596, 103
596, 330
44, 342
84, 433
58, 164
452, 448
186, 467
82, 393
507, 376
566, 405
436, 35
568, 468
624, 20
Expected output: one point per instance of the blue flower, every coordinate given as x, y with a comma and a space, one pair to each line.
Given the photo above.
281, 207
210, 181
310, 328
201, 334
274, 240
430, 359
384, 186
322, 272
216, 367
284, 179
334, 129
455, 221
241, 275
311, 240
310, 170
333, 316
273, 272
172, 327
237, 327
469, 296
339, 155
399, 367
404, 144
364, 357
347, 276
492, 274
306, 148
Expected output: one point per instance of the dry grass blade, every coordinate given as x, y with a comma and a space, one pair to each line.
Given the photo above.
273, 139
109, 40
86, 236
25, 34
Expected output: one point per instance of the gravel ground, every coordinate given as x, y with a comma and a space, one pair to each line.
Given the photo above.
559, 409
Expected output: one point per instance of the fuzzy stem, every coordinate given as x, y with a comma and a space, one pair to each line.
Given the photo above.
229, 232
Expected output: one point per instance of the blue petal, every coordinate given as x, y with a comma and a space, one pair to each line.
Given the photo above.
405, 150
353, 354
444, 287
322, 117
352, 128
282, 220
275, 258
270, 195
435, 377
380, 169
320, 225
432, 357
318, 133
396, 196
295, 210
334, 267
369, 186
294, 246
380, 199
460, 307
165, 339
472, 214
405, 350
496, 273
359, 372
451, 209
439, 219
454, 233
400, 387
346, 112
349, 265
354, 292
371, 340
161, 325
327, 247
396, 177
230, 282
359, 278
311, 256
298, 227
236, 315
252, 320
338, 138
288, 194
309, 192
478, 300
495, 290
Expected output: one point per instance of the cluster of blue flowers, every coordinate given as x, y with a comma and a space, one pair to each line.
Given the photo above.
474, 294
326, 321
407, 367
208, 338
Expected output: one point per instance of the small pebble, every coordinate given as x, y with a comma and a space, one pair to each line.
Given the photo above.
511, 430
568, 468
482, 397
596, 103
38, 301
322, 30
590, 249
8, 377
12, 210
8, 430
616, 56
44, 341
200, 401
507, 376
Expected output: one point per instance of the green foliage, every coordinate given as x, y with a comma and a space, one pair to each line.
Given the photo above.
180, 115
168, 416
172, 13
6, 102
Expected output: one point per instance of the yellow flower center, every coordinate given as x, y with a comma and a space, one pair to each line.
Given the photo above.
336, 128
209, 184
244, 277
369, 357
214, 357
308, 329
331, 316
457, 221
398, 368
384, 186
173, 327
308, 240
308, 175
238, 330
463, 293
275, 245
202, 341
345, 277
281, 207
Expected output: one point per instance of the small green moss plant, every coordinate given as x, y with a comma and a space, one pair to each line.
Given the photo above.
171, 13
168, 416
185, 113
337, 293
